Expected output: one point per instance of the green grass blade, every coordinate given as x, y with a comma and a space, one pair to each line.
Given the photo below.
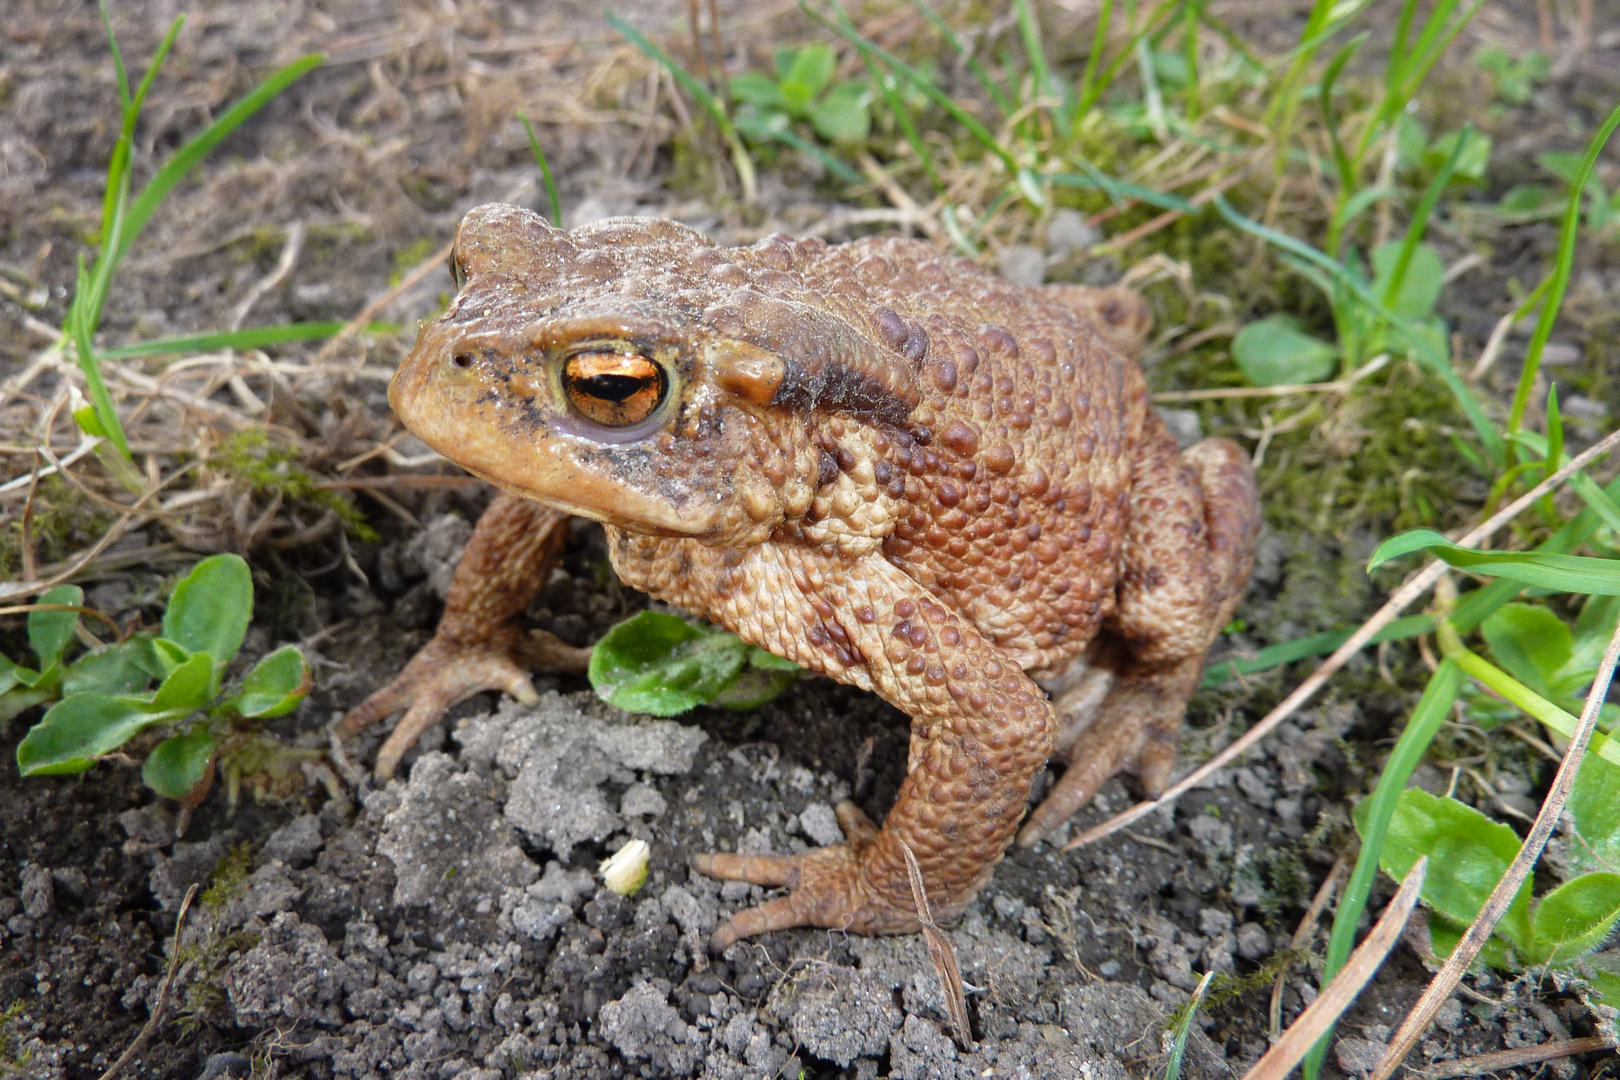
254, 337
545, 171
117, 58
1341, 160
902, 116
728, 131
1183, 1026
1120, 190
916, 78
1289, 652
1425, 353
1420, 217
1398, 47
1564, 263
1095, 90
1432, 710
975, 68
198, 147
1099, 42
789, 137
78, 328
1029, 28
158, 57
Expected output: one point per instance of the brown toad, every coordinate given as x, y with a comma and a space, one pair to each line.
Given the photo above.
884, 464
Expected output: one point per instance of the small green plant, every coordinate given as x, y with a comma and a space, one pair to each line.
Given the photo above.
663, 665
123, 218
1468, 854
803, 90
1516, 78
104, 700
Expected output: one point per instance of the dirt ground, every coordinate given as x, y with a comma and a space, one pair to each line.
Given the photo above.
450, 925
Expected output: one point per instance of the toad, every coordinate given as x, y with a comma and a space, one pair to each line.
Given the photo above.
886, 465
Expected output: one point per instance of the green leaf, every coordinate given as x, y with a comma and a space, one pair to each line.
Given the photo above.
1274, 351
49, 632
1445, 934
1530, 642
179, 763
1411, 140
116, 669
1471, 163
188, 686
1575, 918
167, 655
769, 661
659, 664
757, 90
11, 674
1419, 289
1468, 854
78, 730
1522, 199
753, 688
1594, 626
1603, 970
844, 115
275, 686
811, 67
210, 608
20, 700
1594, 815
1564, 164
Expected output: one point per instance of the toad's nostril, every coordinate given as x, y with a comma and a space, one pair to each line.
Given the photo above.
462, 360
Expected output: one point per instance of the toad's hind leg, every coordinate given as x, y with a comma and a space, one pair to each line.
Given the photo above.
1189, 549
480, 643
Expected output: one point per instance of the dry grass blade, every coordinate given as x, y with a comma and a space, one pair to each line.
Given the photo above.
943, 956
1485, 1064
369, 312
162, 1006
1406, 594
1337, 995
1302, 936
1445, 981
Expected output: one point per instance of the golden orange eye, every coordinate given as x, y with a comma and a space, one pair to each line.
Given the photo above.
613, 389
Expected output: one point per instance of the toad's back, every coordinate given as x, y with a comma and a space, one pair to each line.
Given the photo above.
1014, 467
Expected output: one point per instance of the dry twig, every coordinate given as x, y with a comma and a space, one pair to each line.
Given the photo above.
1440, 988
943, 956
1337, 995
1406, 594
162, 1006
1302, 936
1501, 1060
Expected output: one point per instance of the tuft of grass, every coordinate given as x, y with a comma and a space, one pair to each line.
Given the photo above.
250, 458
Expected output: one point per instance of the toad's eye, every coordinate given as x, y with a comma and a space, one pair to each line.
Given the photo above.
613, 389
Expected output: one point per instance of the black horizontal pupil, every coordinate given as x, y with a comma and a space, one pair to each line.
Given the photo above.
615, 388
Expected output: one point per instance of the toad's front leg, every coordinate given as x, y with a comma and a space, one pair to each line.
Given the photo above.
481, 643
980, 730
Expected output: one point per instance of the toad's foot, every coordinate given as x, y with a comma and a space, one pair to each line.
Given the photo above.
448, 671
828, 887
1134, 729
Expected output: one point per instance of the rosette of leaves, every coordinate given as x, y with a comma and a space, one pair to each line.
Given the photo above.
1468, 854
660, 664
1278, 351
106, 699
803, 90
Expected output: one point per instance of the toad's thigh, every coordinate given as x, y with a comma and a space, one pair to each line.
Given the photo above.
1189, 546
